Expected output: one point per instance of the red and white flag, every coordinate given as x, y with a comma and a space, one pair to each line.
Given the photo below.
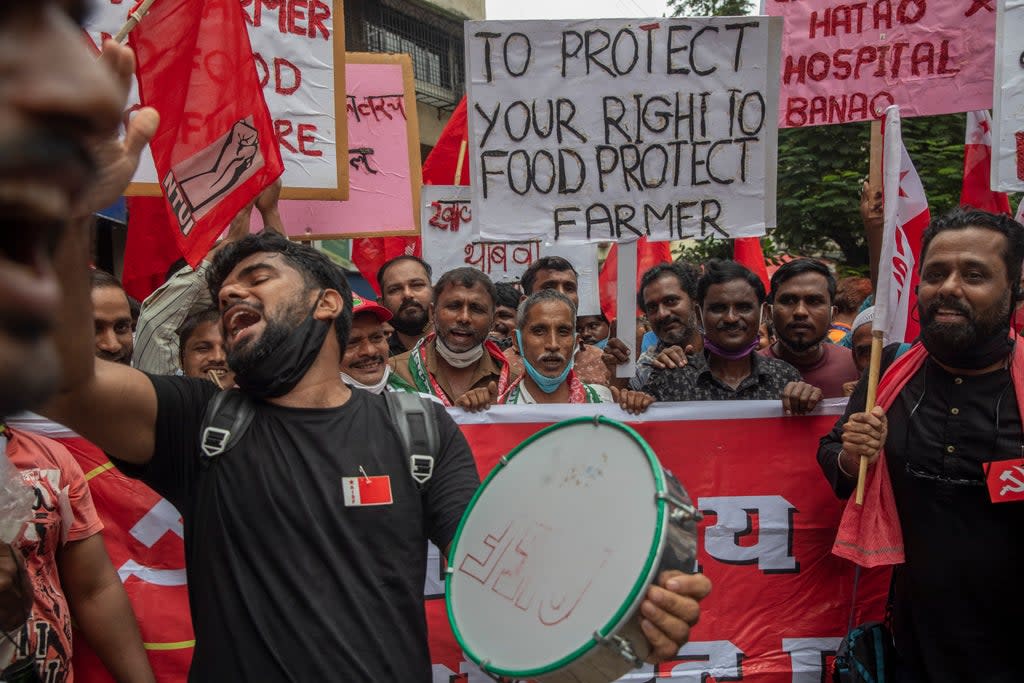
215, 150
906, 217
977, 186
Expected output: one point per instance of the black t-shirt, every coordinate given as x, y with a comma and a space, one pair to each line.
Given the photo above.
286, 583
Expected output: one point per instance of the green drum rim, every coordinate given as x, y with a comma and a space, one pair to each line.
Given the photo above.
641, 584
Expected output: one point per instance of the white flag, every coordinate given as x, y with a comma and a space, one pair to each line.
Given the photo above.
906, 217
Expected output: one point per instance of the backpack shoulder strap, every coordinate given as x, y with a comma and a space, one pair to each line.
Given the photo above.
227, 417
416, 422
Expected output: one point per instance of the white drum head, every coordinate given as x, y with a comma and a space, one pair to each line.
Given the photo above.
557, 544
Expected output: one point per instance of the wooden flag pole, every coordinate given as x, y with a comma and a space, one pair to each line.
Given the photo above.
458, 163
134, 19
877, 336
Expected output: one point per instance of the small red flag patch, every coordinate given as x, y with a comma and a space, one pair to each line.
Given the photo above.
360, 491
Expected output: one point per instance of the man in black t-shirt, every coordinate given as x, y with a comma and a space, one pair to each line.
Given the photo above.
306, 542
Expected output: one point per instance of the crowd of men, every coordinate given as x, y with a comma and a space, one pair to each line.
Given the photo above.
321, 588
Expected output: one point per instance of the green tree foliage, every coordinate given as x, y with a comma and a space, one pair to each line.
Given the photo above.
820, 174
709, 8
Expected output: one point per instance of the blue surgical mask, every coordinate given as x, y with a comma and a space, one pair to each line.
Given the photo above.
603, 343
547, 384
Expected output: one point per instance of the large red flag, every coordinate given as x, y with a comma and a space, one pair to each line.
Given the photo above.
150, 249
906, 217
441, 167
977, 186
648, 255
215, 150
747, 250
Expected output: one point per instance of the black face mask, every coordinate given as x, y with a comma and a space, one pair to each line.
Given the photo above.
277, 366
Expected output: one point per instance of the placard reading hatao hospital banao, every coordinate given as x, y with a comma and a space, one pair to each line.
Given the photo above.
611, 129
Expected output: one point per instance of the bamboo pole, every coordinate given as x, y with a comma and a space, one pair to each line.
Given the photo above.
134, 19
458, 163
874, 238
877, 343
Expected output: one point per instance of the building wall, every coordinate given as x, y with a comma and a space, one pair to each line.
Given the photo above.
467, 9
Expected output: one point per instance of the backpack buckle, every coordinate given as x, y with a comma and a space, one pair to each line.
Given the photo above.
422, 468
214, 441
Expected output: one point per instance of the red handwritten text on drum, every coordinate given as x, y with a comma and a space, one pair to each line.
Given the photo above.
511, 564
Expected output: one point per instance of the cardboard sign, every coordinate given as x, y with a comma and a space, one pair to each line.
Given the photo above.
611, 129
845, 62
383, 156
298, 57
451, 239
1008, 110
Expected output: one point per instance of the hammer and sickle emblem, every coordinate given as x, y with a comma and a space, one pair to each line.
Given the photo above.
1008, 475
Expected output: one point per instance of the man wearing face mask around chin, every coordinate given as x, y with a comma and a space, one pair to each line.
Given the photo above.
365, 365
546, 339
730, 306
457, 363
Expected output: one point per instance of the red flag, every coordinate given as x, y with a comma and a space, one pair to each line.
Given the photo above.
215, 150
370, 253
747, 250
442, 165
906, 217
150, 249
977, 187
648, 255
440, 168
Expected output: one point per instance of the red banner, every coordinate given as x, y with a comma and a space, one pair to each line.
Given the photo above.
216, 148
780, 601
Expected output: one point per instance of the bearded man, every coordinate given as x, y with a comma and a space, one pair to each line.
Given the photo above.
935, 486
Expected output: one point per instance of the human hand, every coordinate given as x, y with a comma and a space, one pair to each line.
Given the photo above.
633, 402
615, 354
266, 204
670, 610
478, 399
871, 207
118, 159
672, 357
799, 398
848, 387
15, 589
864, 435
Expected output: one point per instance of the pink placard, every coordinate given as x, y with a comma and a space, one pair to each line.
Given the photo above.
383, 154
848, 62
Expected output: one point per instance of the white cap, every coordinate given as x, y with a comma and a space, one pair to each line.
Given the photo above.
863, 318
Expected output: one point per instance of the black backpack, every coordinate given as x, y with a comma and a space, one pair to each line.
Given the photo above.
229, 414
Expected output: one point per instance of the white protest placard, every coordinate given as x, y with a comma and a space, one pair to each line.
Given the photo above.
611, 129
1008, 98
451, 240
300, 61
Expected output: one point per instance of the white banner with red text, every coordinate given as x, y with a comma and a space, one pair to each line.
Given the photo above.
780, 601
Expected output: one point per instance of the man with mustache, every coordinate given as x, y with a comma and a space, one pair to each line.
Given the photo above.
202, 351
802, 311
457, 363
946, 425
556, 273
113, 316
730, 301
56, 100
666, 296
404, 284
365, 364
547, 340
310, 529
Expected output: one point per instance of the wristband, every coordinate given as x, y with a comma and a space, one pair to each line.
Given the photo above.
839, 463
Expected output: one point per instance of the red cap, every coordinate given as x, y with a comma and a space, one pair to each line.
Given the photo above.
361, 305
